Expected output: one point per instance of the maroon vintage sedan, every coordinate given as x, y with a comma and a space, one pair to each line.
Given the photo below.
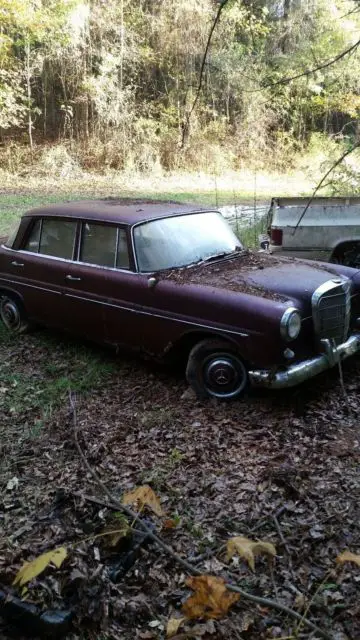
173, 280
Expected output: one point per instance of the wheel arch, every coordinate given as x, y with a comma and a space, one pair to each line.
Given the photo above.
337, 250
181, 348
8, 291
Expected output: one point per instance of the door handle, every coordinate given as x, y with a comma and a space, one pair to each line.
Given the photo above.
68, 277
17, 264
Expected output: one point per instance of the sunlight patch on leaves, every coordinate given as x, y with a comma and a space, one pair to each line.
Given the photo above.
347, 556
31, 570
211, 599
173, 625
248, 549
144, 496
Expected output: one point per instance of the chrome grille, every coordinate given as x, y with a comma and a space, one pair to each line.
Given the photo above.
331, 310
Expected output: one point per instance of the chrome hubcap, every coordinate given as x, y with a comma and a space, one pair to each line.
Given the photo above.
10, 314
225, 376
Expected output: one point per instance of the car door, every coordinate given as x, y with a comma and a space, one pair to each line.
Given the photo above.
36, 269
95, 284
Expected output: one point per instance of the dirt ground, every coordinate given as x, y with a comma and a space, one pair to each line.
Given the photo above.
280, 467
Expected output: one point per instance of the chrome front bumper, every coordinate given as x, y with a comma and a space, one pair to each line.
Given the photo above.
296, 373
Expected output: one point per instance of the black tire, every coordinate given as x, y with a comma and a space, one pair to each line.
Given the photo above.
215, 370
348, 255
12, 314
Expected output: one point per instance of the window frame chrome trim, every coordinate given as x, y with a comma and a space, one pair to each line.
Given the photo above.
73, 262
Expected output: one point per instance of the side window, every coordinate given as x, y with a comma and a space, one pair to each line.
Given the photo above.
57, 238
52, 237
104, 245
32, 243
122, 257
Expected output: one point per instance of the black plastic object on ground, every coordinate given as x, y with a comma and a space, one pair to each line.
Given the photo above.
32, 621
127, 557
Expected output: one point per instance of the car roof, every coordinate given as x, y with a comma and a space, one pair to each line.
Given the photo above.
118, 210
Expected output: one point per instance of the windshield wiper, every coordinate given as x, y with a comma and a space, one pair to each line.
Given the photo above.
223, 254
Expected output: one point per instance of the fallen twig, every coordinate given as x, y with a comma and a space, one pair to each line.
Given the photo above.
266, 602
284, 543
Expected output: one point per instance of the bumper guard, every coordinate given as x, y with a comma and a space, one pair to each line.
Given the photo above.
301, 371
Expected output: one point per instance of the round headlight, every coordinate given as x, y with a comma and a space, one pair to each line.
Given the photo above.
290, 324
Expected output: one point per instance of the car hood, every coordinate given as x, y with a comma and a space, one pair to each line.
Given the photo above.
295, 280
284, 279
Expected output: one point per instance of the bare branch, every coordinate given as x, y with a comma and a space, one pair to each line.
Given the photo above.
118, 506
308, 72
186, 122
320, 184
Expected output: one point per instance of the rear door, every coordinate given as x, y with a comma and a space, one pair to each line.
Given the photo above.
37, 268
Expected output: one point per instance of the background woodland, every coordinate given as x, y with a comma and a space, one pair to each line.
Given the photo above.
114, 84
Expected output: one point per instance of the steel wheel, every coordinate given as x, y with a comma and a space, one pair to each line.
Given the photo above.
12, 315
215, 370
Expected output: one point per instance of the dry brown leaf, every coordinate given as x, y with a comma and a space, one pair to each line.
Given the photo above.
211, 598
173, 625
144, 496
248, 549
169, 523
347, 556
31, 570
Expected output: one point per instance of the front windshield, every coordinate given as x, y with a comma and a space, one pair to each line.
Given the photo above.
182, 240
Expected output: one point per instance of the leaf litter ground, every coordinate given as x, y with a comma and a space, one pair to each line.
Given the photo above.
282, 467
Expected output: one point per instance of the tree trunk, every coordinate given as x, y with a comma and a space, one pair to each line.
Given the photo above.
28, 91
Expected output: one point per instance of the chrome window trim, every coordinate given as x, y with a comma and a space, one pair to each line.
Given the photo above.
116, 247
73, 262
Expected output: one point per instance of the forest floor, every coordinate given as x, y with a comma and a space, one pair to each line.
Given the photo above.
281, 467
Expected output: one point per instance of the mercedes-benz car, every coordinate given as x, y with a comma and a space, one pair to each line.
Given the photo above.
173, 280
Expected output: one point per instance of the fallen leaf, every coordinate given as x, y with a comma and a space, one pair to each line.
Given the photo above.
13, 483
211, 599
347, 556
144, 495
30, 570
173, 625
248, 549
169, 523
